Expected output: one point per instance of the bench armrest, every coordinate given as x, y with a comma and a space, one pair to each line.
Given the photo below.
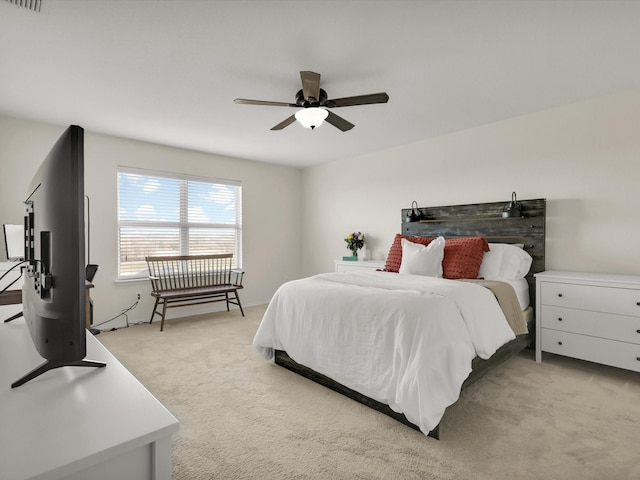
238, 274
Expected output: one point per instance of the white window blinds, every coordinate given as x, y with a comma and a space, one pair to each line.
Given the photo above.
171, 214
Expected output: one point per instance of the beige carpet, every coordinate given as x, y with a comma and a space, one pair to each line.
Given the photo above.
244, 418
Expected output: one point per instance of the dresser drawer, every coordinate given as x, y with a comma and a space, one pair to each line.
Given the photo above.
621, 301
606, 352
596, 324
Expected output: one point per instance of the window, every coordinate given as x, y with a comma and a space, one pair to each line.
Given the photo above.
171, 214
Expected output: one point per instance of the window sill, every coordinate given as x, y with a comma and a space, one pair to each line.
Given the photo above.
130, 281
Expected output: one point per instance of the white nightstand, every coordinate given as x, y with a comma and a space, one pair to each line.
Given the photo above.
594, 317
359, 266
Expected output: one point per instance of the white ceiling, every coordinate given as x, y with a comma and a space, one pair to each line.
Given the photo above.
167, 71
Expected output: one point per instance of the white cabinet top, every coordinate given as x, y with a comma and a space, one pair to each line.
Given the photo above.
359, 265
605, 279
362, 263
70, 418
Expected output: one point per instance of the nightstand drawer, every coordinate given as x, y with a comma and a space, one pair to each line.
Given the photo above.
621, 301
596, 324
606, 352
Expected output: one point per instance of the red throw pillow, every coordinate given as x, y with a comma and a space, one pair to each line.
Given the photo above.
463, 256
394, 258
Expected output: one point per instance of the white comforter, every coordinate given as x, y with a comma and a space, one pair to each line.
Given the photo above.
404, 340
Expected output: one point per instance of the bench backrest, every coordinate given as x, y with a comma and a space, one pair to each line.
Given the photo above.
191, 271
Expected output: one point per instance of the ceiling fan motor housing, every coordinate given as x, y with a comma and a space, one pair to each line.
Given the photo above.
303, 102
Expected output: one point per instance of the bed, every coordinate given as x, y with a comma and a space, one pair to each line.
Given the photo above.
378, 323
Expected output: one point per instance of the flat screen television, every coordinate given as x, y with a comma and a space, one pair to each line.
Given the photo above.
53, 292
14, 241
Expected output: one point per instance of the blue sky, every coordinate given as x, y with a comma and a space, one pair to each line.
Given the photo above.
158, 198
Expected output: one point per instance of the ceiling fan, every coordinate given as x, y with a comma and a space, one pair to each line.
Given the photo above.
313, 103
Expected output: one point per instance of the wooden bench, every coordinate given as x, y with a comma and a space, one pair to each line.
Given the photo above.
178, 281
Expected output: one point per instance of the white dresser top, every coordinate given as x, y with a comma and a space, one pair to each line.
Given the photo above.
613, 279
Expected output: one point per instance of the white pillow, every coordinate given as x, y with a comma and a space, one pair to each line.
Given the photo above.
505, 262
422, 260
491, 262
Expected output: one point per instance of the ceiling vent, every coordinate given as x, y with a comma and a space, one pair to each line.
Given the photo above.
33, 5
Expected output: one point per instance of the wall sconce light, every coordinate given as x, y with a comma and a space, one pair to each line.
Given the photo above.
513, 208
414, 215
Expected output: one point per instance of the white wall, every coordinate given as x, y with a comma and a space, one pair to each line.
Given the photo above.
271, 208
583, 158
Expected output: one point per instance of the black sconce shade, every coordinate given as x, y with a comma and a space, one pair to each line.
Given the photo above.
513, 208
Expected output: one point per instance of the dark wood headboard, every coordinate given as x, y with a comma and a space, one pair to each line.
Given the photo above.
485, 219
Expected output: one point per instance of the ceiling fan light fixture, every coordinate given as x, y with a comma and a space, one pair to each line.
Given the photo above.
311, 117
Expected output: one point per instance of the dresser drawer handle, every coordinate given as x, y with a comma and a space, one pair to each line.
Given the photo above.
638, 358
559, 294
559, 319
638, 331
638, 303
559, 343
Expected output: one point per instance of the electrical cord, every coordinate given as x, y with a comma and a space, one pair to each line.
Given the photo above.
124, 312
7, 273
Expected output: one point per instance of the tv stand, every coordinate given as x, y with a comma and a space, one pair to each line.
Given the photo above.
13, 317
49, 365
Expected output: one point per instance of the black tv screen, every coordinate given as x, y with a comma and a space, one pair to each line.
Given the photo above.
53, 293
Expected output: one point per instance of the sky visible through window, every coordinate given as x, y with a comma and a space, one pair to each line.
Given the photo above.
158, 199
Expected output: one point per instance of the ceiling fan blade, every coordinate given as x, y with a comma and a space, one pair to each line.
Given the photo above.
310, 86
381, 97
263, 102
284, 123
339, 122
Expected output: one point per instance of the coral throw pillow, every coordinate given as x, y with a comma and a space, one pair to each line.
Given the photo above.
394, 258
463, 256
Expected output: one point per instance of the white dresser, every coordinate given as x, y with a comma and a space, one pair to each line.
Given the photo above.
358, 266
594, 317
78, 423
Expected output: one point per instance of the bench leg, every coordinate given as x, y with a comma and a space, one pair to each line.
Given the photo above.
239, 304
226, 295
164, 311
153, 312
